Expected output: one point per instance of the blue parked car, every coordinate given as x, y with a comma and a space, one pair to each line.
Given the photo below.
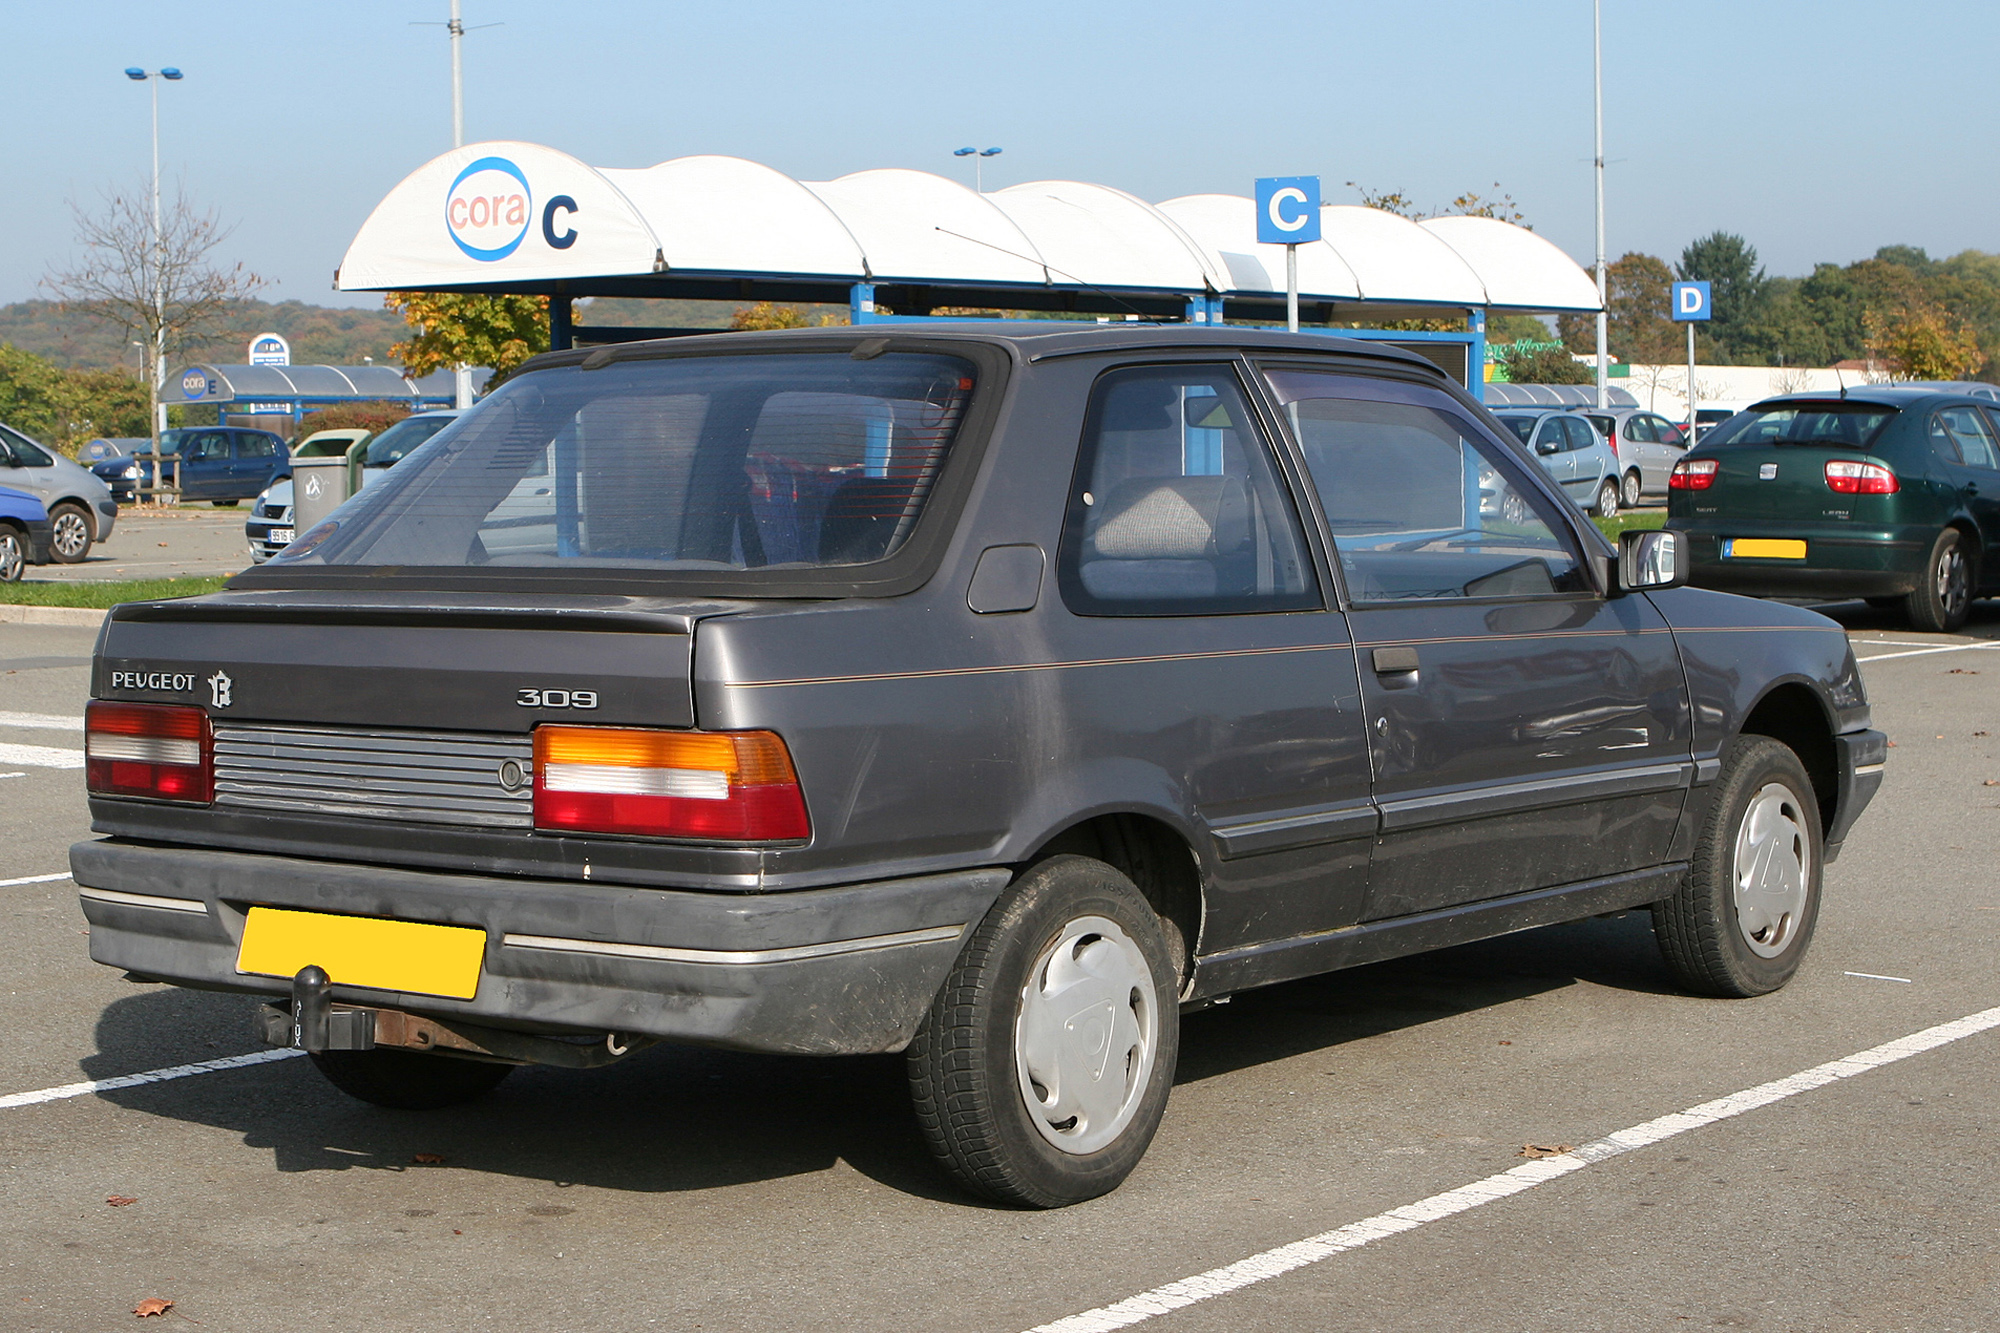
219, 463
24, 533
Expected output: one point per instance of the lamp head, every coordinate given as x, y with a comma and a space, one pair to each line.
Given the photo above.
170, 73
135, 73
988, 152
963, 152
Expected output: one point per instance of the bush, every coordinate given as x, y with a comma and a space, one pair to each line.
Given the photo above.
1543, 363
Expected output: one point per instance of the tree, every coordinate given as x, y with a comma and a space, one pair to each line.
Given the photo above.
1471, 204
771, 315
154, 282
1922, 341
1738, 288
451, 329
63, 408
1635, 299
1543, 363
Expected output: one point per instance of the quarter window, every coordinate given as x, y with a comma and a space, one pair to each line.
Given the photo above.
1971, 433
1419, 502
1177, 507
256, 446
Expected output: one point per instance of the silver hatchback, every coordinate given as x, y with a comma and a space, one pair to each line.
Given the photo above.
81, 510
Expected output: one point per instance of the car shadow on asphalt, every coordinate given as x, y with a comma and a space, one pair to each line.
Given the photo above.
676, 1118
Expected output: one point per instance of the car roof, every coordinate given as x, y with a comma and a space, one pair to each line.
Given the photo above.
1879, 395
1031, 340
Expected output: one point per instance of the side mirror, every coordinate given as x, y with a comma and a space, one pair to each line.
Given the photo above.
1651, 559
1547, 446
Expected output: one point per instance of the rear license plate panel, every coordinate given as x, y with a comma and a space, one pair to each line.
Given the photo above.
411, 956
1763, 548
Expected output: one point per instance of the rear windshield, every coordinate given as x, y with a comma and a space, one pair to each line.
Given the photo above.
703, 465
1842, 425
1521, 426
394, 443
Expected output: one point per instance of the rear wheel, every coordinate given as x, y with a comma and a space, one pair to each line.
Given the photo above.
1607, 500
69, 533
1943, 596
1042, 1070
13, 554
1629, 493
1740, 924
409, 1080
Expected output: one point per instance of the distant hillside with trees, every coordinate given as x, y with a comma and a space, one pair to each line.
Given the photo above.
327, 335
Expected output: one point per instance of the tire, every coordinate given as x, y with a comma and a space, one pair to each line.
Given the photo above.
70, 534
409, 1080
1943, 595
1607, 499
1001, 1069
1629, 494
1742, 922
225, 504
13, 554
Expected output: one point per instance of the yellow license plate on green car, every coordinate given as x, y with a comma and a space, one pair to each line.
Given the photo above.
367, 951
1765, 548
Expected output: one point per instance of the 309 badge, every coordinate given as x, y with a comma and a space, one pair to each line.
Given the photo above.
556, 698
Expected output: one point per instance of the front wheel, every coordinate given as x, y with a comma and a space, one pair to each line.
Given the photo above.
69, 534
1943, 596
409, 1080
1740, 924
1607, 500
1042, 1070
13, 554
1629, 493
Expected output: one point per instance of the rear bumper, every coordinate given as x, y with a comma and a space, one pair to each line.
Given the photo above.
846, 970
1838, 563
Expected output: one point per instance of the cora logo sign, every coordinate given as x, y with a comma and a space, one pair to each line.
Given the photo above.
194, 384
488, 208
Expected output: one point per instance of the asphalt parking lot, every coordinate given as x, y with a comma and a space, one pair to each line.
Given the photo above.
685, 1189
196, 541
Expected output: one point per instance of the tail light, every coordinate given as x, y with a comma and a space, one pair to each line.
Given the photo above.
725, 786
162, 751
1694, 474
1846, 476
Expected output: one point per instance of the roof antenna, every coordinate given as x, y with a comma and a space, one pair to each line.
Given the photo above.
1841, 380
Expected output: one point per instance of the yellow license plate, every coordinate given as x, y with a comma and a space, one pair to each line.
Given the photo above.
1769, 548
364, 951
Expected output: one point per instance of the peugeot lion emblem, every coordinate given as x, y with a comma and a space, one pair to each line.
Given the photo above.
218, 689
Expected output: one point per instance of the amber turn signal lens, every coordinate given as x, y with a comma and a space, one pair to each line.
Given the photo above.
720, 786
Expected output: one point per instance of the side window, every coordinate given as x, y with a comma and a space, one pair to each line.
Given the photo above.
27, 451
1642, 429
1581, 436
206, 447
1668, 433
1551, 438
250, 445
1420, 503
1177, 507
1972, 432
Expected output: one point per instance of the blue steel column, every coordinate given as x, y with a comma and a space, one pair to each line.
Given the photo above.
861, 303
1475, 373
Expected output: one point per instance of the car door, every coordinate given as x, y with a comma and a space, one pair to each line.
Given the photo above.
1552, 451
1976, 473
1214, 657
256, 457
32, 468
1526, 731
204, 464
1586, 464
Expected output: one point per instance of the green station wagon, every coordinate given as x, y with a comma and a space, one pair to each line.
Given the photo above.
1887, 493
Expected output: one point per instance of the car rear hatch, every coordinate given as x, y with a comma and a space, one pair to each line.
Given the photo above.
386, 727
1784, 482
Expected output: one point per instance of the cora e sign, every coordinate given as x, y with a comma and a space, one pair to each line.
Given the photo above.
489, 208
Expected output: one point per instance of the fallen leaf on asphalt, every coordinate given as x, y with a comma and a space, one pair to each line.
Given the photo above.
120, 1200
1546, 1149
1982, 733
428, 1158
1892, 745
163, 544
1991, 782
1506, 1043
151, 1306
1961, 671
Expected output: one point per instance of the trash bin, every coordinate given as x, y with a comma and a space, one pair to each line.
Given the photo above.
319, 486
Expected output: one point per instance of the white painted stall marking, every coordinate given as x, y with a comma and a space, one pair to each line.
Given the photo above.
41, 721
1925, 652
1285, 1258
40, 756
15, 1099
33, 879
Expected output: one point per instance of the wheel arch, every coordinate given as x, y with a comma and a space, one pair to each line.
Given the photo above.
1155, 855
1792, 713
89, 513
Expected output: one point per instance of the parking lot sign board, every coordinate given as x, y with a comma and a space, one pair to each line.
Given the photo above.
1287, 210
1691, 302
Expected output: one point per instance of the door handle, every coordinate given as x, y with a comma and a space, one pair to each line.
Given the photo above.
1392, 661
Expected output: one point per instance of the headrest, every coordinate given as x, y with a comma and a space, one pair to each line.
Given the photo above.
1171, 518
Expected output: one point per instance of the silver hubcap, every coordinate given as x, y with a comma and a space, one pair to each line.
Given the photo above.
1773, 866
72, 534
11, 558
1607, 501
1951, 580
1631, 496
1087, 1035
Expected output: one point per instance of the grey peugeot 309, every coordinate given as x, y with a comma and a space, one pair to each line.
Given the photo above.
989, 695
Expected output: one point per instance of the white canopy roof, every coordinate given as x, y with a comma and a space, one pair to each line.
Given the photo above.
523, 215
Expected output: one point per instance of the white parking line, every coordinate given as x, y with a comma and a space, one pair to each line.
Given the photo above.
12, 1100
1925, 652
1283, 1259
40, 756
41, 721
33, 879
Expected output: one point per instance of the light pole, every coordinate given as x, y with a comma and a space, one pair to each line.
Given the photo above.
976, 154
152, 78
1597, 95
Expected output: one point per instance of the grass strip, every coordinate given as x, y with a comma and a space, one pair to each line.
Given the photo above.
51, 592
1611, 527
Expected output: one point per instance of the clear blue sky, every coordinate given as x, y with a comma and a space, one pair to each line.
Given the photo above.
1819, 130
